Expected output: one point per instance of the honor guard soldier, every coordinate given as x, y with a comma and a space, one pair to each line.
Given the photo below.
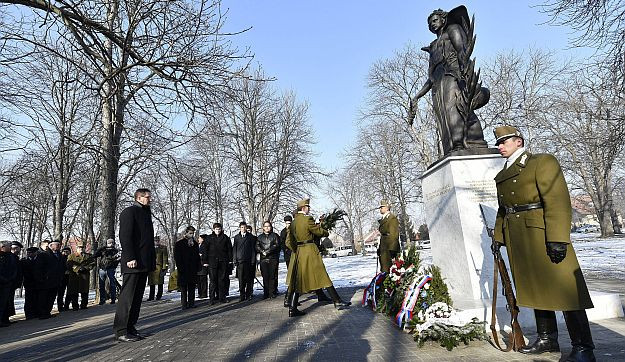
389, 236
307, 271
534, 223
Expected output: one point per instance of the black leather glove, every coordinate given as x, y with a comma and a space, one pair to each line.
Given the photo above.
494, 247
378, 252
556, 251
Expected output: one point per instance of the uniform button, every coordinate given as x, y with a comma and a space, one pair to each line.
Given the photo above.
513, 180
500, 195
518, 216
516, 204
512, 193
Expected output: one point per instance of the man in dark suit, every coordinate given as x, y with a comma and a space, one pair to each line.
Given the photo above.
187, 257
56, 271
136, 235
219, 250
244, 257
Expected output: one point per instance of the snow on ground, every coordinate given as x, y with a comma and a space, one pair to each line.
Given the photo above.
599, 258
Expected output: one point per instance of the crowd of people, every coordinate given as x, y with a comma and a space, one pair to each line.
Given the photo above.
50, 272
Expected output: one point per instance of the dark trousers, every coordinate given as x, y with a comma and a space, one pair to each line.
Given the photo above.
5, 299
73, 299
129, 304
42, 298
245, 273
51, 297
219, 281
202, 286
30, 303
269, 271
60, 294
109, 274
159, 294
187, 295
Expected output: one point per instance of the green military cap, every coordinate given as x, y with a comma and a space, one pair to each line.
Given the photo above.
302, 203
383, 203
502, 133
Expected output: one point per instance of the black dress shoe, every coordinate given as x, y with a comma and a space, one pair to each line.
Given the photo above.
581, 354
341, 304
294, 312
541, 345
136, 333
127, 338
224, 300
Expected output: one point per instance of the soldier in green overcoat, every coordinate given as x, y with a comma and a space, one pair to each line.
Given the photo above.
389, 236
533, 222
157, 277
306, 271
79, 265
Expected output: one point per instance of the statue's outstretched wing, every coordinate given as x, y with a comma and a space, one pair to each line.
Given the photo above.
460, 16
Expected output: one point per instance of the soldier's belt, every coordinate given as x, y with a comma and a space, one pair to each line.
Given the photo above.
305, 242
526, 207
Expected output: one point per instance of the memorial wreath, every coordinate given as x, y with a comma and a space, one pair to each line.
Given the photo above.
418, 300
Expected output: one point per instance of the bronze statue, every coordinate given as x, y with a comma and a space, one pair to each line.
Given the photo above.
456, 90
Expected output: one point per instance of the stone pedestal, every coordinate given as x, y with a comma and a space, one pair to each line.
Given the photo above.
453, 190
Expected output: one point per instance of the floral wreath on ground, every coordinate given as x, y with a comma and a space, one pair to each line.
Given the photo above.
418, 300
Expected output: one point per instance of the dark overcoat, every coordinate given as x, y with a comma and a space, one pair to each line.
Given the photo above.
136, 236
539, 283
187, 261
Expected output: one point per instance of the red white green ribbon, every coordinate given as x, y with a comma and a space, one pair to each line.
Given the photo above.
369, 292
410, 300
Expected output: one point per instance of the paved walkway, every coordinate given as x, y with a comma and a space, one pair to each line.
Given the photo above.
258, 330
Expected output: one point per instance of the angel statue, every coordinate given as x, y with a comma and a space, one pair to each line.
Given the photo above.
456, 90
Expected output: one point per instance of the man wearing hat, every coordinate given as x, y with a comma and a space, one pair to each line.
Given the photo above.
16, 249
307, 272
79, 264
8, 273
533, 223
389, 236
31, 293
65, 252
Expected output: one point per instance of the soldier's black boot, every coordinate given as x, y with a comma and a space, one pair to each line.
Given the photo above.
547, 329
293, 311
581, 339
338, 302
287, 299
322, 297
152, 289
159, 294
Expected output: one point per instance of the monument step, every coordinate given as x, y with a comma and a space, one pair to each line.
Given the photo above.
607, 305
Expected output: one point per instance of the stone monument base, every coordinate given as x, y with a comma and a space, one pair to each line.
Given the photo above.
607, 305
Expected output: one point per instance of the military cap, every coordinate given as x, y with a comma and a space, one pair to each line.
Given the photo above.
302, 203
32, 249
54, 241
6, 243
384, 202
18, 244
288, 218
66, 248
502, 133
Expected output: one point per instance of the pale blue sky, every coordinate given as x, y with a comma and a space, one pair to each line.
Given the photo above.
323, 49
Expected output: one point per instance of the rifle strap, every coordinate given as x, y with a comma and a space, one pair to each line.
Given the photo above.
493, 316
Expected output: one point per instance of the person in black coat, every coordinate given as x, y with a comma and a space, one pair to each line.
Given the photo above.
244, 258
56, 271
202, 273
8, 273
187, 256
219, 263
108, 263
64, 281
136, 236
16, 249
268, 246
29, 283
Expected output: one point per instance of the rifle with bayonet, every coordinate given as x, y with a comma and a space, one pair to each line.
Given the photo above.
516, 338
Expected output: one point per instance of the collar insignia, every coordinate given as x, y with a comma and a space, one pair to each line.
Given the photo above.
523, 158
